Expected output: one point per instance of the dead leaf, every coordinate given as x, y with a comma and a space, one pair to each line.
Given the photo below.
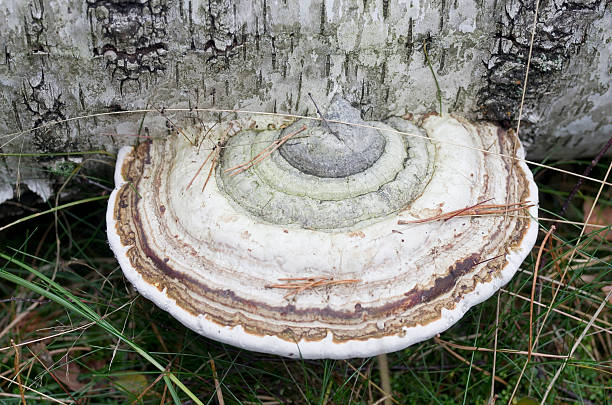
65, 370
68, 372
606, 290
588, 278
132, 382
602, 215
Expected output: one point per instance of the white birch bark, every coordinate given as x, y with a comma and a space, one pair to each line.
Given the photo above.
62, 59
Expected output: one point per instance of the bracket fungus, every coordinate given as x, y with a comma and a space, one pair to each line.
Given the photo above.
317, 239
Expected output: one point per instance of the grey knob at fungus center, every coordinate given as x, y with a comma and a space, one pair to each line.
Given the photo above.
341, 152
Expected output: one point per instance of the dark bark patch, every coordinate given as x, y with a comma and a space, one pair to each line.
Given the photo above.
46, 106
130, 35
35, 28
560, 31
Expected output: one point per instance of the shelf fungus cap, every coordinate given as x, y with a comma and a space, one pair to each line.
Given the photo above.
317, 239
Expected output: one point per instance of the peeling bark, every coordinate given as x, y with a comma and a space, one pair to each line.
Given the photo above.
61, 59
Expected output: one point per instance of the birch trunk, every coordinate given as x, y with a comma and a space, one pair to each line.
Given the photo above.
62, 59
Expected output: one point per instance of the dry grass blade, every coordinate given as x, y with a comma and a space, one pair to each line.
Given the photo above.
476, 209
493, 396
51, 352
17, 373
267, 151
602, 216
213, 151
599, 309
176, 127
558, 311
57, 380
371, 383
575, 346
510, 351
129, 135
213, 164
574, 251
300, 284
385, 399
144, 392
68, 330
533, 287
385, 378
47, 397
263, 400
532, 344
466, 361
54, 209
560, 221
18, 319
587, 171
217, 384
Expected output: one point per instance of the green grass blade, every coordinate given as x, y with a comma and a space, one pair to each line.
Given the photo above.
76, 305
54, 209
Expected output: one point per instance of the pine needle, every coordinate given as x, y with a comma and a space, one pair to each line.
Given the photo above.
267, 151
300, 284
476, 209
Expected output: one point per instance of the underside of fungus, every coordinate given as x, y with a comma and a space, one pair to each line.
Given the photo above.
317, 239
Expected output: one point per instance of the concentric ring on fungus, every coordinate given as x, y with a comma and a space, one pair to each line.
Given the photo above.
304, 242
